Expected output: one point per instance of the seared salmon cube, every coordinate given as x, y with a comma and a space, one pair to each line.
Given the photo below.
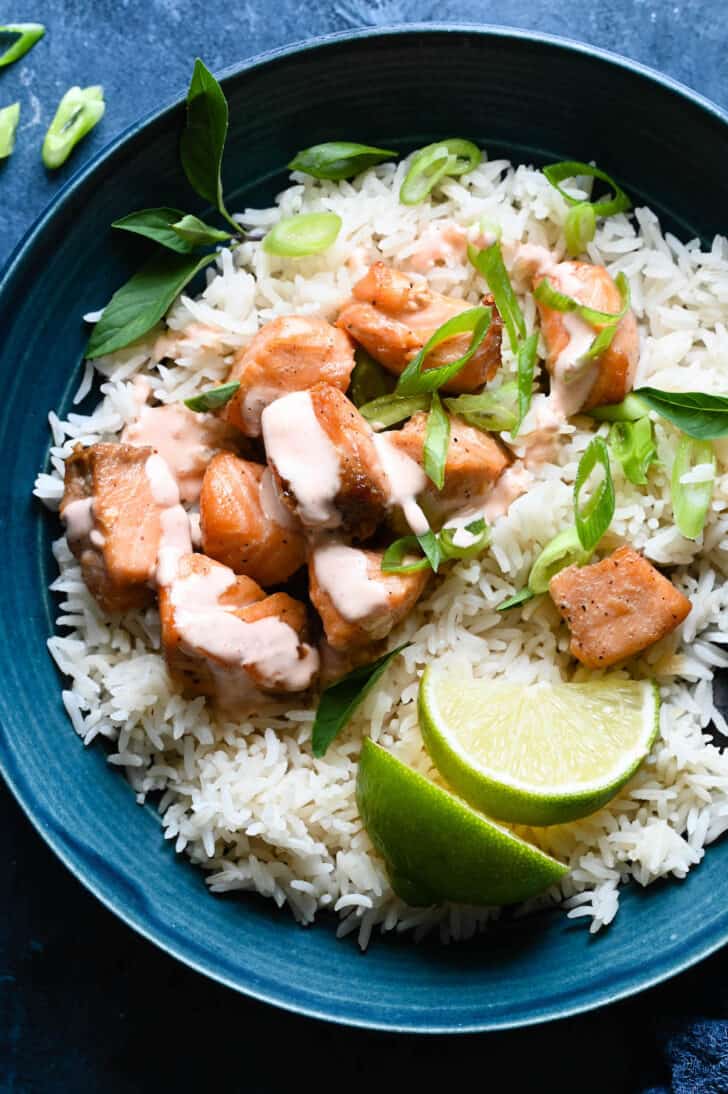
617, 607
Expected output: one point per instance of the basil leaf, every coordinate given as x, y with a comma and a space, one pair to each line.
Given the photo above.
393, 558
369, 381
390, 409
196, 233
415, 381
9, 118
437, 440
27, 35
339, 701
526, 366
489, 264
143, 300
156, 224
569, 169
203, 139
633, 445
338, 159
700, 415
213, 398
594, 517
518, 598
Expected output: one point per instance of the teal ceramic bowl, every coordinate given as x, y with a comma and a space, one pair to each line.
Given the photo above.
532, 99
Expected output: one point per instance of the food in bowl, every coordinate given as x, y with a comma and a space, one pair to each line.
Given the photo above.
344, 463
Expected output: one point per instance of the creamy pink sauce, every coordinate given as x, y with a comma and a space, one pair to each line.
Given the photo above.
442, 243
212, 629
175, 542
304, 457
253, 403
514, 481
273, 508
172, 343
539, 440
186, 440
406, 480
343, 573
78, 517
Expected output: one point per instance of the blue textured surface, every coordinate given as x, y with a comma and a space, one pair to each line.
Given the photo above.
65, 1023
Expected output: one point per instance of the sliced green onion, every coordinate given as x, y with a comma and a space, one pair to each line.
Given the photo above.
393, 558
437, 440
477, 528
489, 264
9, 117
595, 516
564, 550
415, 381
569, 169
28, 34
338, 159
78, 112
491, 411
633, 445
518, 598
390, 409
369, 381
213, 398
430, 544
691, 500
579, 227
526, 366
629, 410
430, 164
546, 294
491, 228
305, 234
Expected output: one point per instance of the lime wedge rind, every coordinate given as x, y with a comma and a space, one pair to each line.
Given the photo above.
510, 799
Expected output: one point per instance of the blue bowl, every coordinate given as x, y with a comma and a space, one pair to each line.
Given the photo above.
532, 98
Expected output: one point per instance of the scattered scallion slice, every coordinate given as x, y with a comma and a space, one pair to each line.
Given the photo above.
489, 264
213, 398
693, 478
430, 544
338, 159
546, 294
526, 367
302, 235
437, 440
78, 112
369, 381
477, 529
393, 560
629, 410
491, 411
569, 169
390, 409
564, 550
9, 117
518, 598
339, 701
27, 35
452, 156
415, 381
633, 445
595, 515
579, 227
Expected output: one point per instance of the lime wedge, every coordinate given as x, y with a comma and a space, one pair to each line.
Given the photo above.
436, 847
542, 754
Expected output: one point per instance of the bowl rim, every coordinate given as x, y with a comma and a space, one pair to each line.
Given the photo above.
665, 970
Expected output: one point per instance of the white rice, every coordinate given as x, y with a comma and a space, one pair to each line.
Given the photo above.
248, 802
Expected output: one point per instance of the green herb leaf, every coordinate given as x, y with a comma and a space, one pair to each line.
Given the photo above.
629, 410
430, 164
339, 701
490, 411
213, 398
203, 139
143, 300
156, 224
9, 117
437, 440
518, 598
700, 415
394, 556
579, 227
302, 235
196, 233
564, 550
415, 381
595, 516
27, 35
429, 543
489, 264
633, 445
526, 367
450, 550
369, 381
78, 112
570, 169
691, 500
338, 159
390, 409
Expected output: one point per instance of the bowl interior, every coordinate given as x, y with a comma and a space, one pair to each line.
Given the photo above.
530, 100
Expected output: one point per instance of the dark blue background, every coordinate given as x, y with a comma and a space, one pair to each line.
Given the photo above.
85, 1004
